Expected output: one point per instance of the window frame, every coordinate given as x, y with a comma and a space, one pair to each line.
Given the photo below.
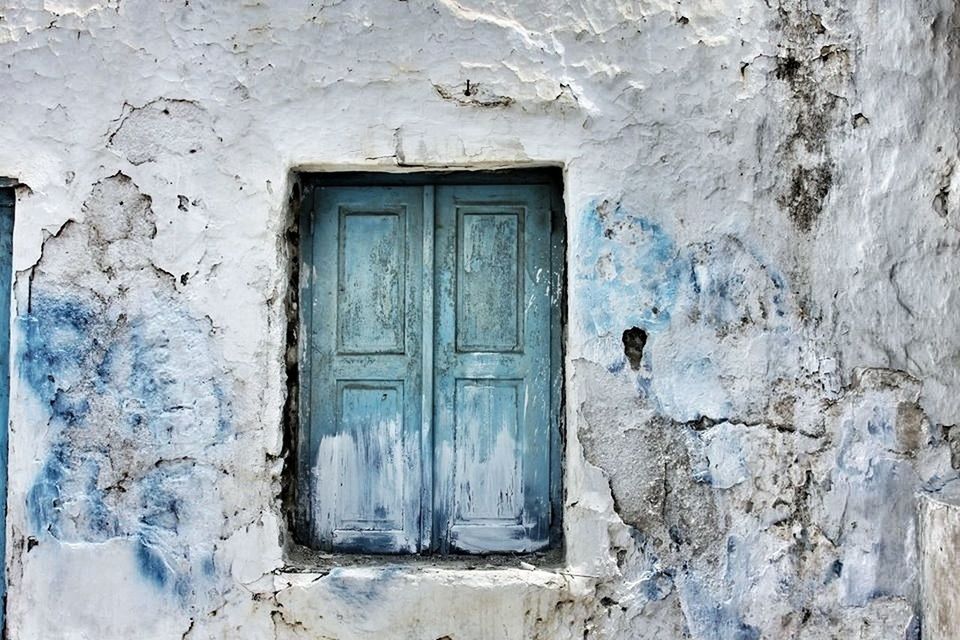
300, 370
8, 199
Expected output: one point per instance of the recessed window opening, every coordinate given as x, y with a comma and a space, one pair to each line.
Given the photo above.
429, 362
7, 200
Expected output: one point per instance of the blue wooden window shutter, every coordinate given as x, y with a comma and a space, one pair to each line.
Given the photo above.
429, 367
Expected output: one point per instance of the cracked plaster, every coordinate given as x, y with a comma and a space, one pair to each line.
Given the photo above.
766, 189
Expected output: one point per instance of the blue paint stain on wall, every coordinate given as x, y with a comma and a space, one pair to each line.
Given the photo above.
123, 392
630, 271
152, 564
733, 286
710, 617
656, 587
56, 344
359, 586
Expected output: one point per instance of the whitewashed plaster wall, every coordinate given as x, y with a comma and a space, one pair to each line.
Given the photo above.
766, 187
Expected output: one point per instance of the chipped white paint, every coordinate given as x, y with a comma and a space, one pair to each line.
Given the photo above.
767, 189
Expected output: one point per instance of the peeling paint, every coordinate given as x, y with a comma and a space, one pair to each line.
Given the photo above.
761, 300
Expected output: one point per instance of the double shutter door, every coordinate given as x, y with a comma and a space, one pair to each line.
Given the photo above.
429, 368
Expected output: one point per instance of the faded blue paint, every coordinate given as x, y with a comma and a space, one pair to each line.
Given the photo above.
709, 617
656, 587
880, 426
630, 271
869, 483
732, 285
493, 368
363, 409
107, 385
151, 564
57, 342
209, 565
877, 559
617, 365
362, 587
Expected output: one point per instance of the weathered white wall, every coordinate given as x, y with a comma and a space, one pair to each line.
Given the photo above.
767, 187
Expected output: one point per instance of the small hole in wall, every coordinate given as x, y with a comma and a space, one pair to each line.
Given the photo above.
634, 340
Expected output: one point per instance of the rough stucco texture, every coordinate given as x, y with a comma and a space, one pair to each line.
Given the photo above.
766, 188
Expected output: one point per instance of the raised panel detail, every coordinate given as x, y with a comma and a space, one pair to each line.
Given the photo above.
370, 426
486, 441
490, 281
370, 288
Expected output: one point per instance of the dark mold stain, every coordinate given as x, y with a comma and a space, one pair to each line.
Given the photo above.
787, 68
810, 67
809, 187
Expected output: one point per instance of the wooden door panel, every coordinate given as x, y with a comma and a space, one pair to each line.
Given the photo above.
366, 368
492, 368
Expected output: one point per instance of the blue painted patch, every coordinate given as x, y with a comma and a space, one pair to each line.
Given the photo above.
69, 410
43, 499
710, 618
160, 507
732, 286
876, 555
630, 271
359, 588
656, 587
56, 344
67, 472
137, 383
879, 425
152, 565
209, 566
617, 365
